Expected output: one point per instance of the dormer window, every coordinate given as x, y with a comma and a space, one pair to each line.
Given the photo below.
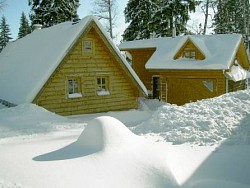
189, 54
189, 51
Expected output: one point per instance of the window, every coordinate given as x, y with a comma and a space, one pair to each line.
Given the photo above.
209, 85
74, 90
190, 54
88, 46
102, 86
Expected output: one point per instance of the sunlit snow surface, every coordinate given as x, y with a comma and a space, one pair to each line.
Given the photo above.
199, 145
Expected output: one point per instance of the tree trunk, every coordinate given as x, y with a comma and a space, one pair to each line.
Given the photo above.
110, 18
206, 17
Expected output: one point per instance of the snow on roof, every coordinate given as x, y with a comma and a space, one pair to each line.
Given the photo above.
27, 63
238, 73
219, 51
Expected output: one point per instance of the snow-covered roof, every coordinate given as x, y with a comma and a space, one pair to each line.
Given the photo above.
219, 51
237, 73
27, 63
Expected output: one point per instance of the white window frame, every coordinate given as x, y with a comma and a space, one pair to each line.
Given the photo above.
102, 84
189, 54
88, 46
75, 84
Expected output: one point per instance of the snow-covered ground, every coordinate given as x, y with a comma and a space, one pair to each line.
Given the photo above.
199, 145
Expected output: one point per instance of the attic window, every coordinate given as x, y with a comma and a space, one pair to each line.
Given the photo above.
87, 46
189, 54
74, 89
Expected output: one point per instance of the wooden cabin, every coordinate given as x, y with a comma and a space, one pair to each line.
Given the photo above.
70, 68
190, 68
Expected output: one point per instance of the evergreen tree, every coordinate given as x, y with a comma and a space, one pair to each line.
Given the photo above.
24, 28
170, 14
5, 35
156, 18
138, 14
233, 17
51, 12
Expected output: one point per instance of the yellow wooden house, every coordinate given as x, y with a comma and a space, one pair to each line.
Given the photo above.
190, 68
70, 68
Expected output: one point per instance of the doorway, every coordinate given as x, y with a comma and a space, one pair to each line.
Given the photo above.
156, 87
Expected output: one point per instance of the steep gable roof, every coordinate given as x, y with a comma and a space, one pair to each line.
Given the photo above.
26, 64
219, 51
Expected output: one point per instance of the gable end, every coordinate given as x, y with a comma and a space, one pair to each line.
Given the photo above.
189, 50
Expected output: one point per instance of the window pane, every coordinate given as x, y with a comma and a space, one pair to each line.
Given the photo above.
209, 85
98, 81
73, 86
70, 86
88, 46
101, 84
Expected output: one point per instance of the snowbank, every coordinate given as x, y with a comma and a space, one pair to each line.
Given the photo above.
204, 122
28, 119
107, 154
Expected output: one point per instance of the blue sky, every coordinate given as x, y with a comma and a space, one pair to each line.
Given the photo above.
14, 9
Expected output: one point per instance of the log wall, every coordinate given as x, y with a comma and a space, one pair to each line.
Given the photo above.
87, 67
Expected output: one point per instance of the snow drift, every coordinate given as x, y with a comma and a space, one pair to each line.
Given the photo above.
204, 122
56, 151
106, 143
30, 119
105, 132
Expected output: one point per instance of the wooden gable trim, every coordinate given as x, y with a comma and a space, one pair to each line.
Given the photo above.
190, 46
82, 33
117, 58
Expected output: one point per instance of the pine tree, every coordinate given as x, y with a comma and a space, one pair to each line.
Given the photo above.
24, 28
51, 12
5, 35
156, 18
170, 14
138, 14
233, 17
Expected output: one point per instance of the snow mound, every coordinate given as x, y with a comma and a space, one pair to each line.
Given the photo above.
204, 122
105, 132
29, 119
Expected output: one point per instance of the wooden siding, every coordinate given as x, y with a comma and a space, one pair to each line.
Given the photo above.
236, 86
139, 59
87, 67
183, 86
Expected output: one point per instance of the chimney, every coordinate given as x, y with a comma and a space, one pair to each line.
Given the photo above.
37, 26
